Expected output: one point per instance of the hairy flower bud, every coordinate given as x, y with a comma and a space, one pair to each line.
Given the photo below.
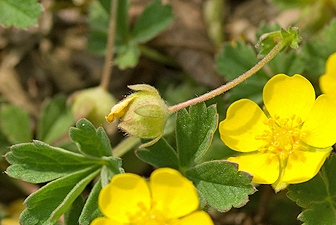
143, 114
93, 104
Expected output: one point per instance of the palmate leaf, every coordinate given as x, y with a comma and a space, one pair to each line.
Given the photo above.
68, 172
221, 184
155, 18
19, 13
45, 206
317, 196
38, 162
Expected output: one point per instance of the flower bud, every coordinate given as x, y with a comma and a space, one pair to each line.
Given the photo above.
143, 114
93, 104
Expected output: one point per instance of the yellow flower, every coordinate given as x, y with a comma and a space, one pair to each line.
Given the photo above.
289, 143
328, 80
168, 199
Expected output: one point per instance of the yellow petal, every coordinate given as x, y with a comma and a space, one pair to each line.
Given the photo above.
196, 218
119, 109
172, 193
126, 195
328, 80
286, 96
302, 166
320, 125
243, 123
104, 221
263, 166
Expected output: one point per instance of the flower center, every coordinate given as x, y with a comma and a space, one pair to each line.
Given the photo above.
150, 217
283, 137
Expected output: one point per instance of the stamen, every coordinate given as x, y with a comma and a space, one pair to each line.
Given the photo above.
283, 137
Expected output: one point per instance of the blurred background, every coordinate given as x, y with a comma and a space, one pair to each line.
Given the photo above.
45, 67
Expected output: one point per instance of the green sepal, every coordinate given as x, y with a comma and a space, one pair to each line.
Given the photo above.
155, 18
90, 141
71, 216
161, 154
19, 13
15, 124
91, 209
317, 196
55, 120
269, 40
39, 162
150, 111
194, 132
221, 184
45, 206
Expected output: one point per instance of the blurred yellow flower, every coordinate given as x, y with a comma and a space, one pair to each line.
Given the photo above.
288, 143
167, 199
328, 80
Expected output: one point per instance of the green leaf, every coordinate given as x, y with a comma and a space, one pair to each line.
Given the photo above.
38, 162
161, 154
194, 131
106, 5
15, 124
55, 120
91, 209
233, 61
19, 13
288, 63
154, 19
99, 18
99, 24
91, 141
316, 53
71, 216
50, 202
317, 196
221, 184
127, 55
330, 33
122, 24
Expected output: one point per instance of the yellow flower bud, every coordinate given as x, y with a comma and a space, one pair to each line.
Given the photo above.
143, 114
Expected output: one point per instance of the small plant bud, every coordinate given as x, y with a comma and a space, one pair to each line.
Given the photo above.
143, 114
93, 104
